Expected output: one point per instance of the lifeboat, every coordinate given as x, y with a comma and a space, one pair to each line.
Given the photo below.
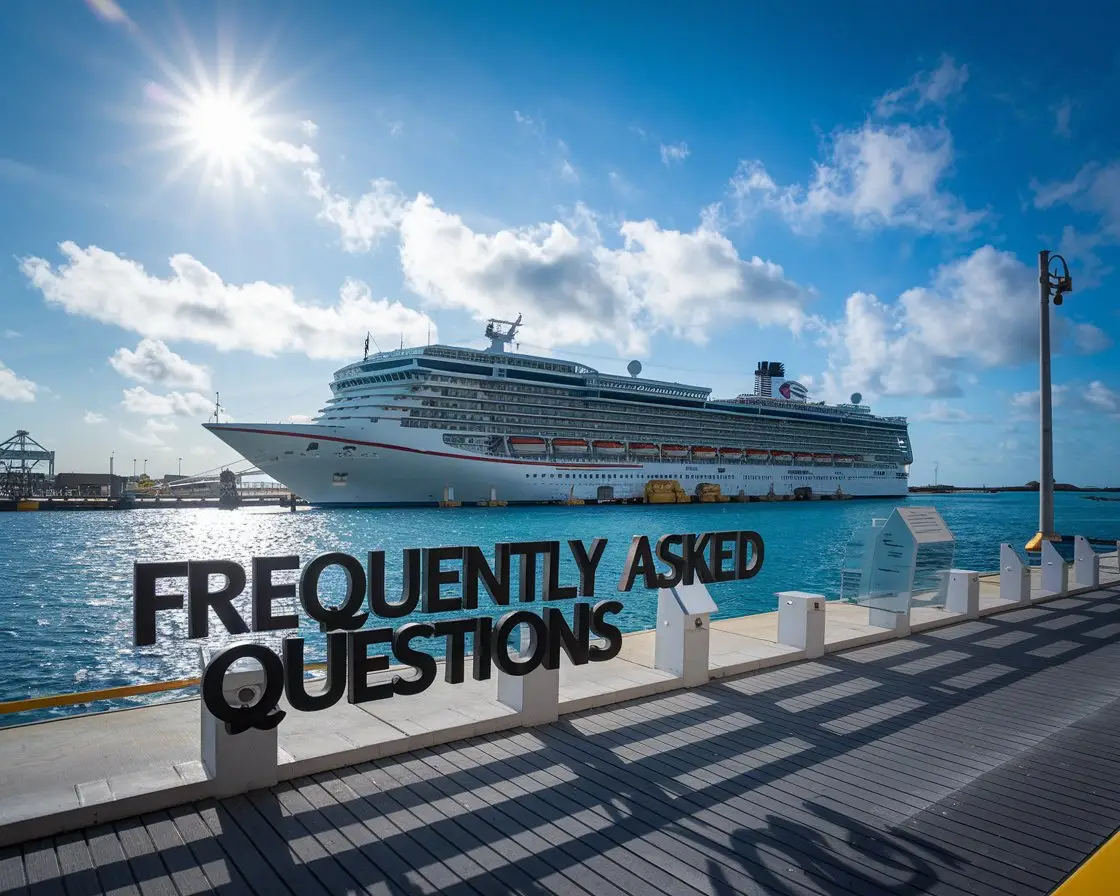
731, 453
603, 447
643, 449
569, 446
757, 454
674, 450
703, 452
822, 458
782, 457
526, 445
803, 458
845, 459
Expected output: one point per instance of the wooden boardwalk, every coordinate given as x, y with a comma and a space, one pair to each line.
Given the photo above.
979, 758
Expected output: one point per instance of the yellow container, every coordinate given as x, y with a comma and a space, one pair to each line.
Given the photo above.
27, 505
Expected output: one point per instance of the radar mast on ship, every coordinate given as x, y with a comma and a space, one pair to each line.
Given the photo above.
501, 333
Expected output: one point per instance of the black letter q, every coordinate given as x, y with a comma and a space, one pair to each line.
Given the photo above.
263, 714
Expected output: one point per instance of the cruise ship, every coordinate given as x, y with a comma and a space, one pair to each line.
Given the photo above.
439, 423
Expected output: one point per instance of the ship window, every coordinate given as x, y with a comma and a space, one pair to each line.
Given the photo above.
312, 446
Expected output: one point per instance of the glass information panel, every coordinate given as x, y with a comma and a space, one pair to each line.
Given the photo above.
899, 563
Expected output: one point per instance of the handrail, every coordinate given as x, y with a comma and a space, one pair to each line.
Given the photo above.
131, 690
128, 690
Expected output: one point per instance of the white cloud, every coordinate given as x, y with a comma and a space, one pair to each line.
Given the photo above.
289, 152
309, 128
1061, 118
943, 412
195, 304
980, 310
568, 171
622, 186
109, 10
1101, 397
1027, 406
532, 125
139, 400
674, 152
575, 289
154, 363
149, 434
875, 175
15, 388
1094, 189
396, 128
11, 334
932, 88
93, 418
362, 223
1095, 399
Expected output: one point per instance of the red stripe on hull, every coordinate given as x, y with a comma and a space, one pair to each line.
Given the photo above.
490, 460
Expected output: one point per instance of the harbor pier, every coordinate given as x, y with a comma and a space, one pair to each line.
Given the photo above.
971, 750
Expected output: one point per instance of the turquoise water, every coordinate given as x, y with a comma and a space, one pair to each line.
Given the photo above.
66, 578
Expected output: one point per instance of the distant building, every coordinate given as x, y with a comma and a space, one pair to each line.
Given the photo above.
89, 485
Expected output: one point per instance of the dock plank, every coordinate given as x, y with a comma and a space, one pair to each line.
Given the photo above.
979, 757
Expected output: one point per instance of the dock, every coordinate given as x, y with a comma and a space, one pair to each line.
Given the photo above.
971, 755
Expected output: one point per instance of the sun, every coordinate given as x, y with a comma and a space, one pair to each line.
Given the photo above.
222, 128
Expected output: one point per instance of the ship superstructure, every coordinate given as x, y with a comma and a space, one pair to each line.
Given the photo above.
419, 425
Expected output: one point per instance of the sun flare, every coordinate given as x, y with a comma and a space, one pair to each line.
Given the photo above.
222, 128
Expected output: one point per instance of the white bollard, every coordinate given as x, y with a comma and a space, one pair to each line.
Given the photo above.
801, 621
536, 695
964, 593
1086, 563
241, 762
1055, 573
1014, 576
683, 632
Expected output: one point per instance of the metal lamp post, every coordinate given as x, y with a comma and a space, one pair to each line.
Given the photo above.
1056, 285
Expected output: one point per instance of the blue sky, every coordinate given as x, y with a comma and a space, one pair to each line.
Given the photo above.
219, 196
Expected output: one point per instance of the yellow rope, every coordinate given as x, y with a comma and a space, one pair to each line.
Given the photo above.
130, 690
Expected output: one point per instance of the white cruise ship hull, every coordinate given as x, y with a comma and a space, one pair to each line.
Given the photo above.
386, 464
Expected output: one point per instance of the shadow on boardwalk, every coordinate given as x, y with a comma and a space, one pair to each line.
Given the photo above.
970, 759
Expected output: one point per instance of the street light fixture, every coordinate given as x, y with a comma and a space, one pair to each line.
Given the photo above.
1050, 283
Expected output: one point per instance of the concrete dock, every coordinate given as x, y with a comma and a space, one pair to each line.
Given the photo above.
974, 755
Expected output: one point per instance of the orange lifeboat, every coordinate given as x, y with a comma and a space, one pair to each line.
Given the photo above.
569, 446
783, 457
703, 452
674, 450
757, 454
822, 458
845, 459
526, 445
643, 449
604, 447
731, 453
803, 458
